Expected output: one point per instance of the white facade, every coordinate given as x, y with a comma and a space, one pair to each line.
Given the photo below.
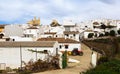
17, 38
68, 22
31, 32
73, 36
118, 25
13, 30
10, 56
86, 33
71, 46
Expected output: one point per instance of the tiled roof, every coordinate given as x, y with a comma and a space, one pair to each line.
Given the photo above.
60, 40
69, 25
50, 33
71, 32
2, 26
28, 44
32, 28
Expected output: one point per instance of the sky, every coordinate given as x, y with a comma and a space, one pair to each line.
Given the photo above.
21, 11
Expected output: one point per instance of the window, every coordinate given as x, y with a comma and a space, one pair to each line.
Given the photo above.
56, 51
60, 46
66, 46
67, 35
74, 35
45, 51
56, 36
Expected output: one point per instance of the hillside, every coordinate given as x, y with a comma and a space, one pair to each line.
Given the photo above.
110, 62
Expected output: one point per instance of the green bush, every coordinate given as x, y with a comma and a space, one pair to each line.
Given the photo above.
106, 33
96, 35
102, 60
101, 35
118, 31
112, 33
110, 67
25, 72
90, 35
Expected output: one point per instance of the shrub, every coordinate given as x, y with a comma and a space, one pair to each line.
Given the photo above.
112, 33
118, 31
101, 35
96, 35
90, 35
102, 60
110, 67
106, 33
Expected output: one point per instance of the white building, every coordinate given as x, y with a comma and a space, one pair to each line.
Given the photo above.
13, 30
64, 44
48, 35
118, 24
11, 53
84, 35
72, 35
17, 38
33, 32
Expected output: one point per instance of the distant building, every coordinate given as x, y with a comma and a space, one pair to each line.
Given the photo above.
13, 30
34, 22
72, 35
2, 27
32, 32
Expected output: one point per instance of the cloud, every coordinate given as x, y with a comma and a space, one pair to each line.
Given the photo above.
20, 11
108, 1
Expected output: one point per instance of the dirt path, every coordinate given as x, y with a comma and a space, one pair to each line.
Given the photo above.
75, 68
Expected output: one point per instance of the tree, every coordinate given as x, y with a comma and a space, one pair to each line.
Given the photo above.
96, 35
103, 26
118, 31
101, 35
90, 35
54, 23
95, 23
112, 33
110, 26
106, 33
1, 35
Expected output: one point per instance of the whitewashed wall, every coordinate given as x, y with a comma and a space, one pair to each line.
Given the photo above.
71, 46
11, 55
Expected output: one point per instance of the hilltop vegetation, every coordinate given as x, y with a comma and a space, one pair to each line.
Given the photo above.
110, 62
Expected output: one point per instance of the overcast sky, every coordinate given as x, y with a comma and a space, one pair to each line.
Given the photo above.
20, 11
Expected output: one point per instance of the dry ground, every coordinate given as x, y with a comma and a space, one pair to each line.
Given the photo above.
75, 68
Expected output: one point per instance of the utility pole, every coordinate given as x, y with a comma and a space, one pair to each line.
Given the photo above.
36, 54
20, 57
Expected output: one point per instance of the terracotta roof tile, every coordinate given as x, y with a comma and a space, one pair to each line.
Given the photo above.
60, 40
71, 32
50, 33
32, 28
28, 44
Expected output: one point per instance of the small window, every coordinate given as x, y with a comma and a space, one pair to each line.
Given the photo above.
56, 36
13, 39
60, 46
74, 35
67, 35
66, 46
45, 51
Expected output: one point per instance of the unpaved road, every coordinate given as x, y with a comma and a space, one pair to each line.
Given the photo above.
75, 68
